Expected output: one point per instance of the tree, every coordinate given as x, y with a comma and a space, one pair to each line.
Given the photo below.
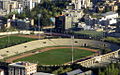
107, 9
112, 69
61, 70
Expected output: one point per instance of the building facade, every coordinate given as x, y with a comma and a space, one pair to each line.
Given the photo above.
7, 6
22, 68
2, 72
81, 3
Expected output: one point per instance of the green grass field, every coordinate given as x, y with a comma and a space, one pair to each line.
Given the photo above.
8, 41
58, 56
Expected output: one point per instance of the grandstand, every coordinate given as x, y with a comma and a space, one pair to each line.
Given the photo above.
21, 48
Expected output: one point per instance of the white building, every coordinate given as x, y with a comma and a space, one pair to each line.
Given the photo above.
8, 6
29, 3
109, 15
22, 68
41, 73
81, 3
74, 14
109, 18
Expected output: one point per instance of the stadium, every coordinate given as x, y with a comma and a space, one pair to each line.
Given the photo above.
51, 51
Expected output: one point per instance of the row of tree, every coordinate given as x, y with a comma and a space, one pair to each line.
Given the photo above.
112, 69
112, 40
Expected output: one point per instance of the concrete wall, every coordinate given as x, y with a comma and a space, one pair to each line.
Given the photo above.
99, 59
21, 32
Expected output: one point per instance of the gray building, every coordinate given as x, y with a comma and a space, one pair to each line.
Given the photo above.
79, 72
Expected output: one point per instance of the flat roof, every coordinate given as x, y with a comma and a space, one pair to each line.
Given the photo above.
21, 64
42, 73
108, 13
77, 71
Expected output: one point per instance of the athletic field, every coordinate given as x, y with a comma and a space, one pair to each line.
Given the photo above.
51, 56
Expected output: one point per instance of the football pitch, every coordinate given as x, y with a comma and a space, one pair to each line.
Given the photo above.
57, 56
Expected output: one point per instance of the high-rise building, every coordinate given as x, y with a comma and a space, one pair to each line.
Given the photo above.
67, 20
22, 68
60, 23
30, 4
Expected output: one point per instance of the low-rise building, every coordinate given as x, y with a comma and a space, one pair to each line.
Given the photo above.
2, 72
42, 73
109, 15
22, 68
19, 23
108, 18
114, 8
79, 72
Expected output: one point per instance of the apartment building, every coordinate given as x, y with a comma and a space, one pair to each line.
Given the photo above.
7, 6
29, 3
22, 68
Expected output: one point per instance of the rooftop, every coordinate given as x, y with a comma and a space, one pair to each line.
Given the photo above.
1, 70
22, 64
77, 71
41, 73
108, 13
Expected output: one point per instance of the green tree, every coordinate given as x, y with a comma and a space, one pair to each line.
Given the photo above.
61, 70
112, 69
107, 9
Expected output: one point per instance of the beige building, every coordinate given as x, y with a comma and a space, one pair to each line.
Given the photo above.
1, 72
110, 3
22, 68
114, 8
81, 3
118, 0
74, 14
10, 6
36, 1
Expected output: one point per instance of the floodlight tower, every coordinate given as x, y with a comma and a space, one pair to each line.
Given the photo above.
72, 43
39, 27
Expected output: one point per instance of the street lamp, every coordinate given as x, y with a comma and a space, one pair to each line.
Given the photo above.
72, 39
39, 15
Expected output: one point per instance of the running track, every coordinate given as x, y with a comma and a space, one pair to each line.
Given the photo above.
10, 60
